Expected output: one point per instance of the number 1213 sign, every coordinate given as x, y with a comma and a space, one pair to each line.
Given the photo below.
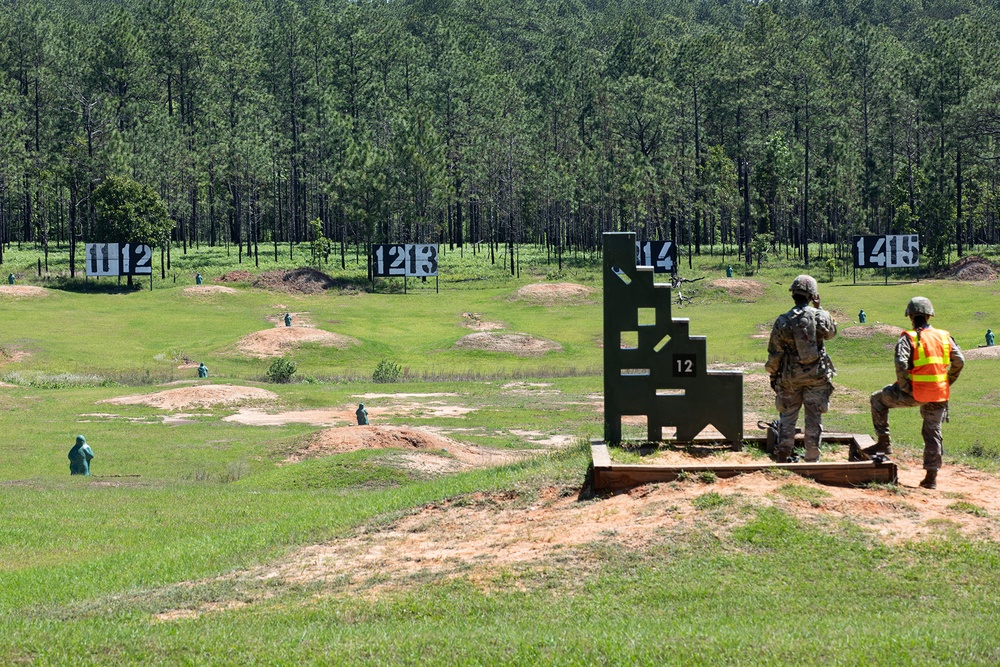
404, 259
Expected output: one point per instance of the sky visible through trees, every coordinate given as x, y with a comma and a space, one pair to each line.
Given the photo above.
743, 126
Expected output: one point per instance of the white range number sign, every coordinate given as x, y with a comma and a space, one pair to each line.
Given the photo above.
118, 259
404, 259
890, 251
661, 255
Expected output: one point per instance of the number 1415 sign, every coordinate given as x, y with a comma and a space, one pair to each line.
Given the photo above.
890, 251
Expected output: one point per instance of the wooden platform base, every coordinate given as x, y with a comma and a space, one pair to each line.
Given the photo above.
611, 477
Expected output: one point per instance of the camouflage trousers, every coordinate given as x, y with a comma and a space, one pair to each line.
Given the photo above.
891, 396
816, 400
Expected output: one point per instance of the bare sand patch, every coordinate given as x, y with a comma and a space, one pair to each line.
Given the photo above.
992, 352
554, 292
277, 341
27, 291
870, 331
12, 356
557, 441
209, 289
520, 344
352, 438
740, 288
319, 417
476, 322
200, 395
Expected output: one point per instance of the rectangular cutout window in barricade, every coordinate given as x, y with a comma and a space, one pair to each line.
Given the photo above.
652, 365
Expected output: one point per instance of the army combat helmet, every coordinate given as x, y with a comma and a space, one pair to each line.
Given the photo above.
805, 285
919, 305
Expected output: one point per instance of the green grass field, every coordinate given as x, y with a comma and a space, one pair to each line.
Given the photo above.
176, 513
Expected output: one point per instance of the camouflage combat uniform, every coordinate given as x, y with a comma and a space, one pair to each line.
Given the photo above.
900, 395
801, 370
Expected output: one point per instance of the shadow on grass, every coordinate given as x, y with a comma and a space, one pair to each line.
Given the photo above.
94, 286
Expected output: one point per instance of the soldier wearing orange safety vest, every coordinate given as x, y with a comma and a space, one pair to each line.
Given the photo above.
928, 361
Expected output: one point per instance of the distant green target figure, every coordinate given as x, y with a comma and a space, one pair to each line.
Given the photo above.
80, 456
862, 318
362, 415
202, 370
729, 271
197, 279
11, 279
288, 319
989, 338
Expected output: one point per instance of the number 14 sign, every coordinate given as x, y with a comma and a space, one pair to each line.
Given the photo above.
118, 259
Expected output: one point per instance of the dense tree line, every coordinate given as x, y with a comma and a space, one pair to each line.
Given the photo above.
745, 126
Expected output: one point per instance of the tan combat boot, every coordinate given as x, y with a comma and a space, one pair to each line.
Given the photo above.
930, 480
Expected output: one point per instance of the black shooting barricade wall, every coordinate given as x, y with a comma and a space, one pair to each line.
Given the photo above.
652, 365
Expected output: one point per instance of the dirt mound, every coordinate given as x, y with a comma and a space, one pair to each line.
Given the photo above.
200, 395
475, 321
23, 291
522, 345
971, 268
209, 289
352, 438
303, 280
740, 288
278, 341
870, 331
482, 536
554, 292
992, 352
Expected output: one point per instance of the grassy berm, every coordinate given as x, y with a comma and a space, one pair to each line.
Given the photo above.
238, 520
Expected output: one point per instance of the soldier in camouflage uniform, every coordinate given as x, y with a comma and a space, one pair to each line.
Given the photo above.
800, 368
928, 361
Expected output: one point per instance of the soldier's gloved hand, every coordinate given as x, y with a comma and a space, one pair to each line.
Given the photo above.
774, 382
816, 302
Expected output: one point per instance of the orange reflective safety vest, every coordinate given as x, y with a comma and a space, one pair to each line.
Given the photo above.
931, 352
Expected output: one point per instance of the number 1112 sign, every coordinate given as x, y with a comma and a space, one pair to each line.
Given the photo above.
118, 259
